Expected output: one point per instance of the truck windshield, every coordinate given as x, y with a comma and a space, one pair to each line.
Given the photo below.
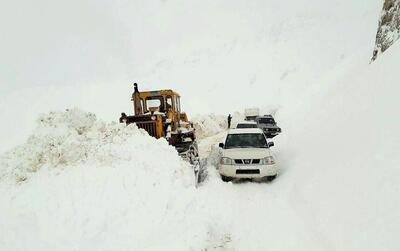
246, 126
266, 121
246, 140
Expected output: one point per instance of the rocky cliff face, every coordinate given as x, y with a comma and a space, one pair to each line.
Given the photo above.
389, 27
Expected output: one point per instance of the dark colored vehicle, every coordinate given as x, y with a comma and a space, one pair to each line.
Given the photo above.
268, 125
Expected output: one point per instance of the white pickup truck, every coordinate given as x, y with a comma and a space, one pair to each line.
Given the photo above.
246, 154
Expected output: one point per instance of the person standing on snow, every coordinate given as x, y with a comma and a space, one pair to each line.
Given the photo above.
229, 121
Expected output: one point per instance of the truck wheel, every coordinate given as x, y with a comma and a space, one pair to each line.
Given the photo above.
271, 178
226, 178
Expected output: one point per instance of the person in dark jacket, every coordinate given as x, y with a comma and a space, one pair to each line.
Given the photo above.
229, 121
123, 118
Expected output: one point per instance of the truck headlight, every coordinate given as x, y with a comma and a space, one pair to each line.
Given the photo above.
225, 161
267, 161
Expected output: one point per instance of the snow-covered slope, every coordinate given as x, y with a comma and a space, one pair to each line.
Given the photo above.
337, 190
221, 56
340, 154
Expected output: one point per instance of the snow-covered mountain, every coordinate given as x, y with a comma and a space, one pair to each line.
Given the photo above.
389, 27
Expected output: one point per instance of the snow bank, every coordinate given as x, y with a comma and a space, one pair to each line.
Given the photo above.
207, 125
64, 139
88, 185
340, 152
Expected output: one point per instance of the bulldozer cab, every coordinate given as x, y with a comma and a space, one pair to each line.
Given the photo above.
159, 113
161, 106
155, 102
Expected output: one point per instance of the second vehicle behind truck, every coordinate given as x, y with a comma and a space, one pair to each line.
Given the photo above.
268, 125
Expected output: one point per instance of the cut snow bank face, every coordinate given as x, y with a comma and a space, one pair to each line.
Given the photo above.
208, 125
341, 150
71, 138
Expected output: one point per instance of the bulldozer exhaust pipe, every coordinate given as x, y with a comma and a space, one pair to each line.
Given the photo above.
136, 100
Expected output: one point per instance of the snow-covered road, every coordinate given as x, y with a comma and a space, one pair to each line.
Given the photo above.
257, 215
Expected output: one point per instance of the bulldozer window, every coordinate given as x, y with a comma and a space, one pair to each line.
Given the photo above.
156, 101
142, 105
169, 103
178, 104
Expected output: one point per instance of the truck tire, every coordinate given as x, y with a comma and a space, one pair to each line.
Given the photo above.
226, 178
271, 178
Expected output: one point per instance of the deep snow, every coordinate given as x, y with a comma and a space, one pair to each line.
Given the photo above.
78, 183
337, 190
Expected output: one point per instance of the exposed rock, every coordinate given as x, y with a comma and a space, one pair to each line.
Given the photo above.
389, 27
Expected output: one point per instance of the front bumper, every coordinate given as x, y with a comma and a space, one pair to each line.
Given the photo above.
272, 132
248, 171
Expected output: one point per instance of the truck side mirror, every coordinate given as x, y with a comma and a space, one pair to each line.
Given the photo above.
221, 145
270, 144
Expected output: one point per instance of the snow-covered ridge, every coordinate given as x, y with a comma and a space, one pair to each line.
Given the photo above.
73, 137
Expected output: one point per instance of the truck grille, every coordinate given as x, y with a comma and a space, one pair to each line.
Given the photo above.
248, 171
149, 126
247, 161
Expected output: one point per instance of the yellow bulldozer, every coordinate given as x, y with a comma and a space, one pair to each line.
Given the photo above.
159, 113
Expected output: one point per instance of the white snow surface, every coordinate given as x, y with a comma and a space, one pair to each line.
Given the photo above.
81, 184
77, 183
338, 189
208, 125
73, 137
77, 177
